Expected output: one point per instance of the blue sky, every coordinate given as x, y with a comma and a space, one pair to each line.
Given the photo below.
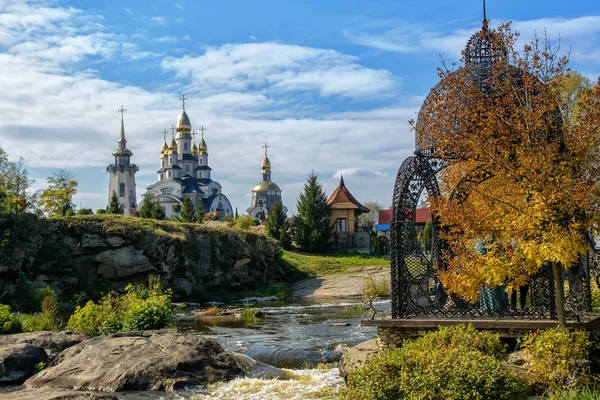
330, 85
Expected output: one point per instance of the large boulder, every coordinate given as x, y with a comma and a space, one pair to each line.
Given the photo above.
22, 352
357, 357
56, 394
151, 360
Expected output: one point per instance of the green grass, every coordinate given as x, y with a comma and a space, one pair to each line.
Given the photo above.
587, 393
300, 265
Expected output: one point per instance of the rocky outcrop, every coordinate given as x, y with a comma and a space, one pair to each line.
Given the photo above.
82, 253
357, 357
20, 353
56, 394
152, 360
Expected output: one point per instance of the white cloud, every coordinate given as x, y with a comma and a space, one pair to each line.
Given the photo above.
179, 6
158, 21
280, 67
179, 20
128, 11
252, 37
166, 39
581, 33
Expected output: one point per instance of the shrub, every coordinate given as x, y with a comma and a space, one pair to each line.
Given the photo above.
557, 357
9, 323
441, 365
245, 222
139, 309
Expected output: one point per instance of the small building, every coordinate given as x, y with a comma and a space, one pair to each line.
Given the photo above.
345, 210
422, 215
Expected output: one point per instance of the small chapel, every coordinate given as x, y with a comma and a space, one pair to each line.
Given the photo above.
184, 172
265, 194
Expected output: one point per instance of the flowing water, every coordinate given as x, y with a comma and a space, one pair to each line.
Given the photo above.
293, 336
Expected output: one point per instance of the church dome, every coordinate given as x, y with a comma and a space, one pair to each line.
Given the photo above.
122, 152
173, 145
266, 164
164, 148
183, 124
266, 185
194, 149
202, 148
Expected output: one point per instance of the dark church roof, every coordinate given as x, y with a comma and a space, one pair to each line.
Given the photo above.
189, 157
189, 184
203, 168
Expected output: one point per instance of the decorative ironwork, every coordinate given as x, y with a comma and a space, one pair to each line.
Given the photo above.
416, 289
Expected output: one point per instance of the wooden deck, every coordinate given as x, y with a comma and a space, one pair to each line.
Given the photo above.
587, 322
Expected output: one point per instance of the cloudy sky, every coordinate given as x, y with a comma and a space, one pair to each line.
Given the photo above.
330, 85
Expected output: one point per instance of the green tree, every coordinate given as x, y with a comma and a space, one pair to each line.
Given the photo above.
426, 235
151, 209
114, 207
367, 221
14, 185
245, 222
200, 212
313, 228
101, 211
236, 213
187, 210
276, 222
85, 211
56, 199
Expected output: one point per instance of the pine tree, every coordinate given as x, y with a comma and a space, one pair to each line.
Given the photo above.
114, 207
151, 209
200, 212
236, 213
276, 221
187, 210
313, 227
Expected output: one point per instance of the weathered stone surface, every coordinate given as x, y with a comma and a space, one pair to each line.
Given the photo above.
357, 357
18, 362
53, 343
84, 254
56, 394
19, 353
152, 360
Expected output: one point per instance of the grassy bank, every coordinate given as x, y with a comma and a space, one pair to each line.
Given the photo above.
303, 265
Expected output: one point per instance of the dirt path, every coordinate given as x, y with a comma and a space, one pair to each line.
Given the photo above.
343, 286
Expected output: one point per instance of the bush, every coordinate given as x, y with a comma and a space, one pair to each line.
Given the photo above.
9, 323
453, 363
245, 222
139, 309
557, 357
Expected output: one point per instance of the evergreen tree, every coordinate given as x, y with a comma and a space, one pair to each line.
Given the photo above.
200, 212
313, 228
151, 209
114, 207
187, 210
236, 213
276, 221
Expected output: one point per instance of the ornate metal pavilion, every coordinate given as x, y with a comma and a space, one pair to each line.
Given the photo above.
416, 290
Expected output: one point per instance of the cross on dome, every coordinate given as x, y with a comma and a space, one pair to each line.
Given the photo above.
202, 128
121, 110
164, 132
183, 99
173, 131
266, 147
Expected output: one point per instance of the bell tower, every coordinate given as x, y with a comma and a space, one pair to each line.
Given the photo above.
122, 173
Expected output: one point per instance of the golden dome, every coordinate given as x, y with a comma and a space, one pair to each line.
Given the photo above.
194, 149
164, 148
266, 164
172, 145
202, 148
266, 185
183, 124
122, 152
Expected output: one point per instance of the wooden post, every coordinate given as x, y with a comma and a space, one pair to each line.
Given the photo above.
559, 289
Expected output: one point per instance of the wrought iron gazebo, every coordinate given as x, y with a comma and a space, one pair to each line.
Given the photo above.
416, 289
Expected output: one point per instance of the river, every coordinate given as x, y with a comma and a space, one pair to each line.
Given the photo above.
304, 339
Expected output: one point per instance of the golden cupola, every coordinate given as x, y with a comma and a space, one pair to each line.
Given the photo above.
165, 147
184, 126
202, 148
194, 149
122, 150
172, 146
266, 164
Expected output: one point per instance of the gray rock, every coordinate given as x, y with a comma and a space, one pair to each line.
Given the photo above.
21, 352
357, 357
258, 370
56, 394
152, 360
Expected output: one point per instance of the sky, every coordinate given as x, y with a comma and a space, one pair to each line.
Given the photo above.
329, 85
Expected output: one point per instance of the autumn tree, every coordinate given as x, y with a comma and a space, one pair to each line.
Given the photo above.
57, 199
114, 207
522, 165
313, 229
15, 195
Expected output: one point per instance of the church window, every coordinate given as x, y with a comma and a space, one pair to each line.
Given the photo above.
185, 146
122, 190
163, 164
187, 167
162, 176
169, 174
340, 225
200, 161
171, 160
166, 190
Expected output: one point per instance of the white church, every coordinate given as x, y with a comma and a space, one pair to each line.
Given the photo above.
184, 172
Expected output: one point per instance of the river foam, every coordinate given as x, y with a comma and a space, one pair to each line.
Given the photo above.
303, 384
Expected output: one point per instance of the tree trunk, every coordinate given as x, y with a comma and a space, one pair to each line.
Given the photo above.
559, 291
